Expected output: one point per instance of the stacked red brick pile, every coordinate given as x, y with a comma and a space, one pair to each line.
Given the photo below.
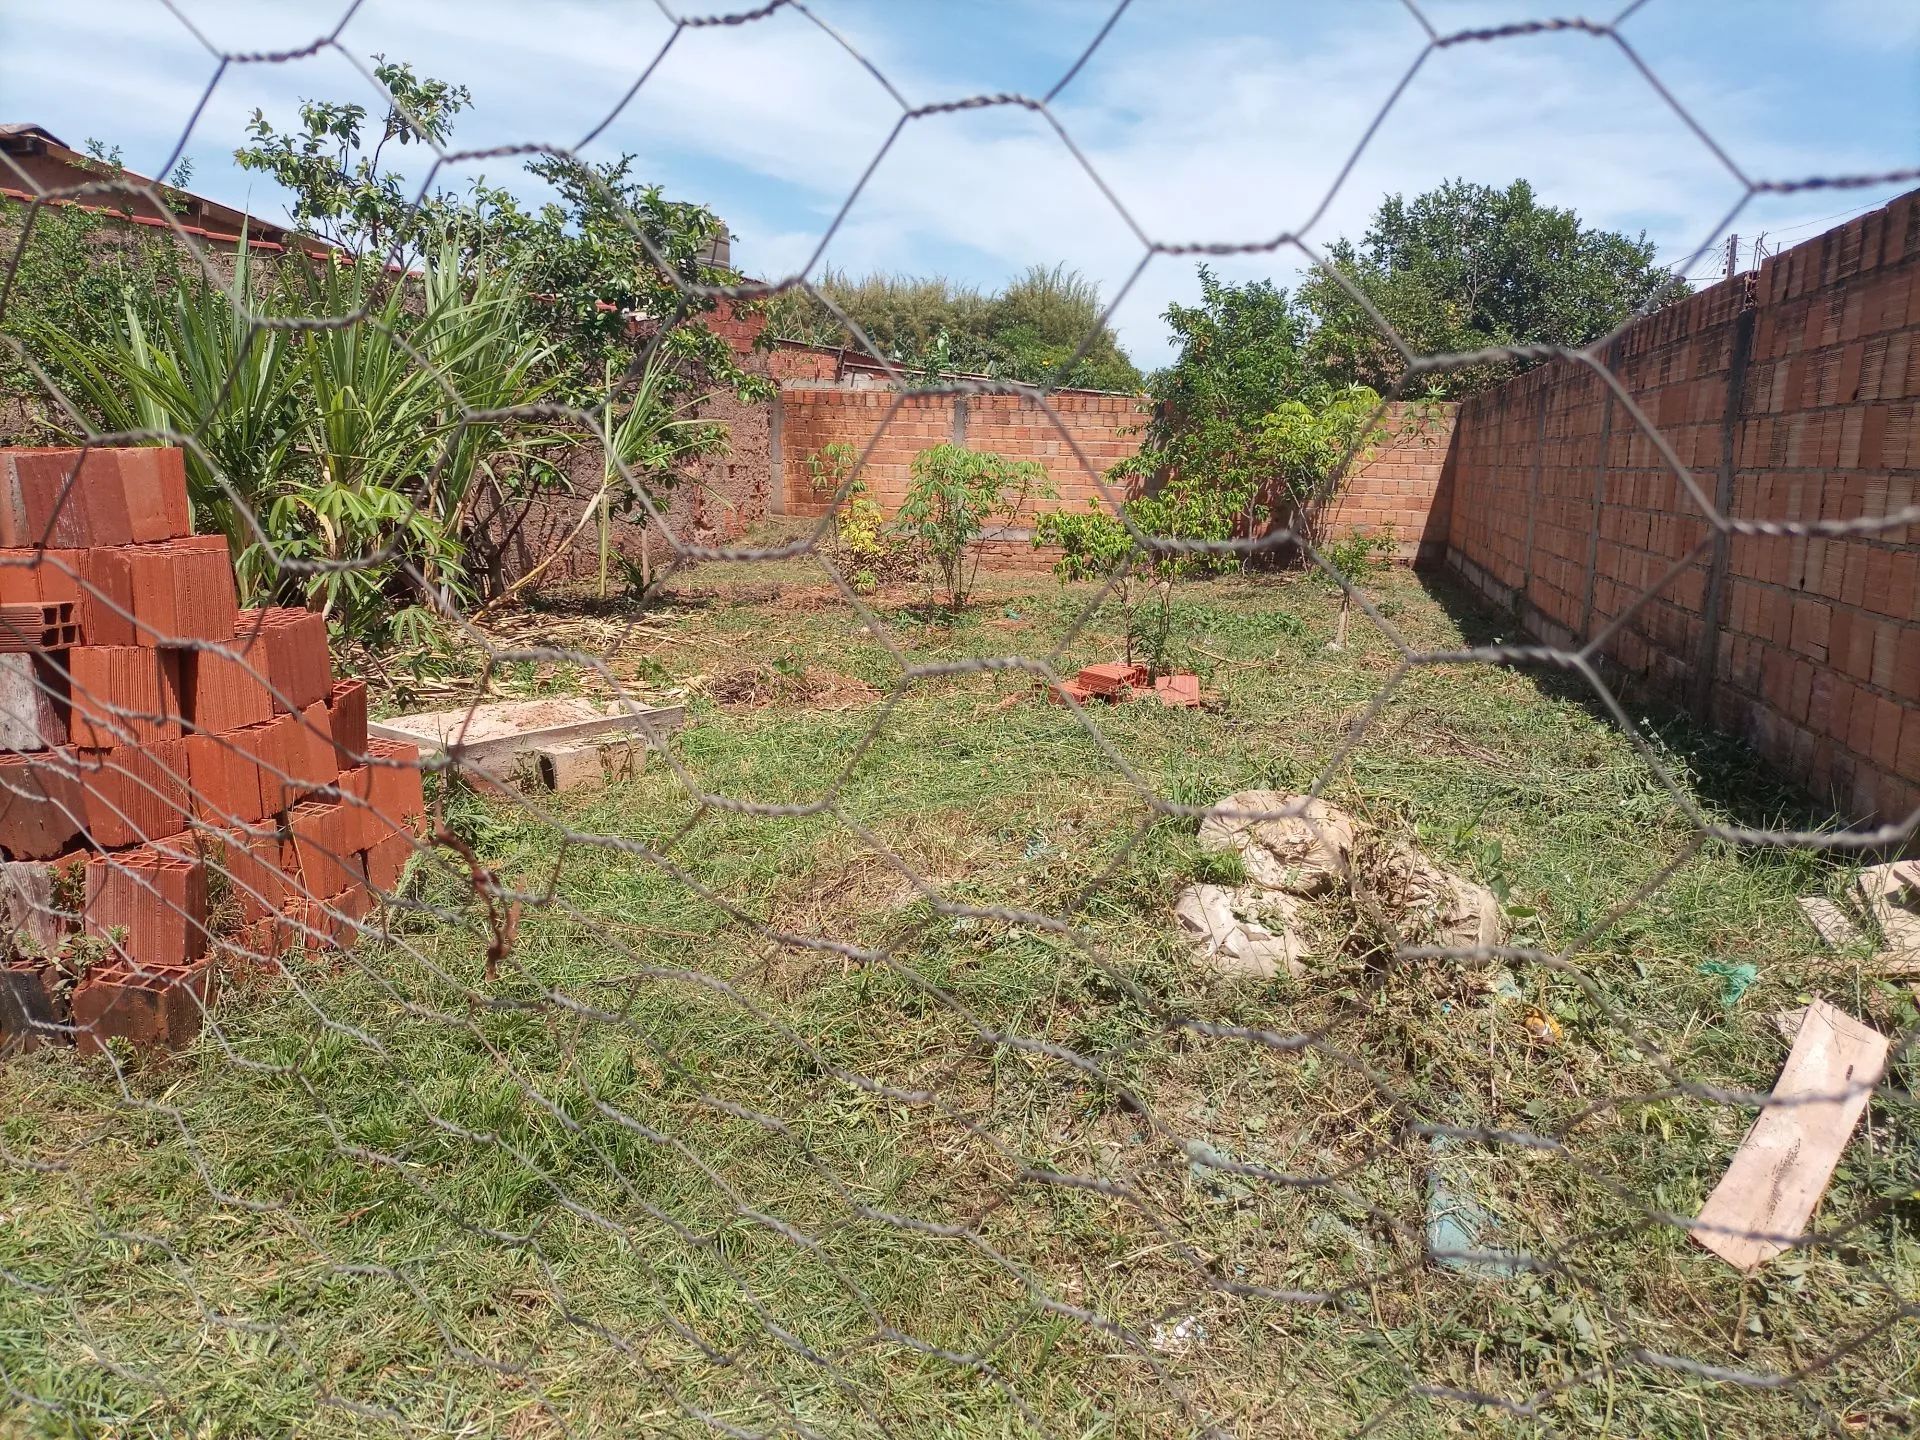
181, 779
1116, 684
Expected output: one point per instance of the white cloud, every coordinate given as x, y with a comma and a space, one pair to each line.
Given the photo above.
1209, 121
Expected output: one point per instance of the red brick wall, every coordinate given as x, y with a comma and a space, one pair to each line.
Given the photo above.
1807, 646
1403, 485
1103, 427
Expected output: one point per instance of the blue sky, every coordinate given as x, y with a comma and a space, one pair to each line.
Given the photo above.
1208, 120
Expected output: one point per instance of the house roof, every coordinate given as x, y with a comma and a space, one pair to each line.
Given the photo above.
31, 131
36, 165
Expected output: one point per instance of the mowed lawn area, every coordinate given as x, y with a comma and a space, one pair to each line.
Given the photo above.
907, 1114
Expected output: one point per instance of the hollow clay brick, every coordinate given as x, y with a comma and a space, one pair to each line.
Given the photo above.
396, 793
154, 1008
46, 499
122, 695
42, 807
1112, 680
34, 1008
133, 793
328, 862
386, 862
248, 870
220, 693
347, 710
151, 901
289, 647
154, 479
33, 703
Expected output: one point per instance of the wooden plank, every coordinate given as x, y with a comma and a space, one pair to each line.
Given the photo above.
1781, 1169
484, 735
1892, 895
1832, 924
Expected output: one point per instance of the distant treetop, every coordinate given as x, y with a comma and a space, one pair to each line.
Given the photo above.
1031, 331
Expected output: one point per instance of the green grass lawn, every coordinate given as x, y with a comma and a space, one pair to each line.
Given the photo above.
890, 1106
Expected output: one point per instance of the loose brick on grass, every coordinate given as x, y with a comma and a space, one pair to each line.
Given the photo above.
1180, 691
1112, 681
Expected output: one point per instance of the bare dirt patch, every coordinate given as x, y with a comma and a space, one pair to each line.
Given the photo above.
755, 687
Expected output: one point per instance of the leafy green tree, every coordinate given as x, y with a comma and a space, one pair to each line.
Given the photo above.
67, 272
610, 267
1041, 320
340, 192
1243, 435
1216, 480
1031, 331
604, 271
1468, 267
1242, 427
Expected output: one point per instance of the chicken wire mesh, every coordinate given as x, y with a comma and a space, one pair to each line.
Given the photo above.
741, 1098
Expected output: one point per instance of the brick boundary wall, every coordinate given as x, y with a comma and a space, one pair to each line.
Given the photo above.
1106, 429
1402, 485
1790, 395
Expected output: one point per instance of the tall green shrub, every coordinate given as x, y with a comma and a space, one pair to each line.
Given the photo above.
952, 493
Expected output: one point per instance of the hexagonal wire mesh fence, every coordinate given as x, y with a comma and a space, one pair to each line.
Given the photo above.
839, 1067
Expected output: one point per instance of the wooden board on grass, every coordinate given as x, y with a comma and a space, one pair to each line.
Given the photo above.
1763, 1202
489, 736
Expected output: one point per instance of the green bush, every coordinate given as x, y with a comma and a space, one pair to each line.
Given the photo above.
952, 494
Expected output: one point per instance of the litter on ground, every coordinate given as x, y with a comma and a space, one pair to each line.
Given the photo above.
1298, 851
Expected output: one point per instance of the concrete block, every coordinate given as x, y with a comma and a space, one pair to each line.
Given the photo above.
586, 764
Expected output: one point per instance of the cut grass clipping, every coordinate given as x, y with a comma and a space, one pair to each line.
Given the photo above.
910, 1117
